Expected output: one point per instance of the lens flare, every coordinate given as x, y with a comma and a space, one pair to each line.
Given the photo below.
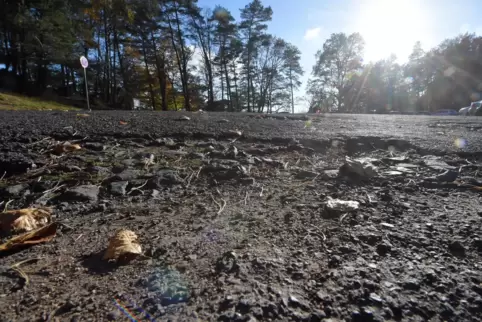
460, 143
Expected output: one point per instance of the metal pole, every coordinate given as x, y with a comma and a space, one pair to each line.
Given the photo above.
86, 89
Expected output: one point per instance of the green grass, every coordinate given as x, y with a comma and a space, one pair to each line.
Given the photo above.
23, 103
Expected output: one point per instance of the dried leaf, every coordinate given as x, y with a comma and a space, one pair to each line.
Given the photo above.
122, 123
37, 236
83, 115
123, 246
23, 220
66, 147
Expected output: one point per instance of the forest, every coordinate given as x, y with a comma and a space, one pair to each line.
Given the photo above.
173, 54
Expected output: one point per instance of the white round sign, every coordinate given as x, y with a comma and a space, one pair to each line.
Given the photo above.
84, 62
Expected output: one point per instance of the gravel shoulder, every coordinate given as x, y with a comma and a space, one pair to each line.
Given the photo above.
239, 217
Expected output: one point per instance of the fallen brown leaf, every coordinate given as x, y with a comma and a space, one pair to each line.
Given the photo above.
37, 236
23, 220
83, 115
123, 246
66, 147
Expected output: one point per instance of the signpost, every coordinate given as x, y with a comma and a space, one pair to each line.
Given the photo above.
85, 63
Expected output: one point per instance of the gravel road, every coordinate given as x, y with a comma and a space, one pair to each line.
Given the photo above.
240, 217
433, 133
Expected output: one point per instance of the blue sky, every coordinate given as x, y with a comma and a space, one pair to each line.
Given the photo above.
388, 26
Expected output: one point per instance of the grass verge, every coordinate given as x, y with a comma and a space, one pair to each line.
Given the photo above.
14, 102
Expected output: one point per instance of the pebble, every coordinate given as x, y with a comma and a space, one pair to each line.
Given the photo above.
118, 188
411, 284
376, 298
387, 225
81, 193
384, 248
15, 190
457, 248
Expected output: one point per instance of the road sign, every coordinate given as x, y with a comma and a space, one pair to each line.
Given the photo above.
84, 62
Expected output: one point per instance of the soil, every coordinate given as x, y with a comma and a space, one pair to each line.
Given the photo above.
232, 216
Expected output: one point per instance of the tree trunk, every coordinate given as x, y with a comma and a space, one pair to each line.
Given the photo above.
207, 62
125, 82
161, 74
62, 72
228, 87
184, 75
222, 83
236, 84
98, 81
114, 77
74, 83
292, 94
149, 79
106, 60
180, 60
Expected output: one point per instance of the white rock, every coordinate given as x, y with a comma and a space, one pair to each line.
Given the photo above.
339, 205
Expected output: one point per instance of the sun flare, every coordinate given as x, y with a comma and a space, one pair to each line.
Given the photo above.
391, 27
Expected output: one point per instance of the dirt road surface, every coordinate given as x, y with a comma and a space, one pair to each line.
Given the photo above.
240, 217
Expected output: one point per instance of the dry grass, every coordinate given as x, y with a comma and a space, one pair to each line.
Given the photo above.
18, 102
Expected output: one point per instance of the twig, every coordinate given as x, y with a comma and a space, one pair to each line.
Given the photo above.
322, 234
178, 160
214, 200
55, 188
246, 198
16, 267
26, 261
3, 176
78, 238
261, 193
197, 174
22, 274
37, 142
369, 198
190, 178
306, 159
6, 205
79, 140
138, 188
221, 207
343, 217
65, 225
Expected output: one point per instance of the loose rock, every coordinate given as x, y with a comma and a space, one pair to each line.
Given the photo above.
118, 188
81, 193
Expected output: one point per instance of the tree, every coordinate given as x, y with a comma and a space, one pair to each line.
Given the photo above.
203, 29
252, 27
228, 50
293, 69
340, 58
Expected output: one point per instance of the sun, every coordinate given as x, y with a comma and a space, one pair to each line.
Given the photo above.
391, 27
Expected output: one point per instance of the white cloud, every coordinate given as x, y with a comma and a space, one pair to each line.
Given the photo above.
312, 33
